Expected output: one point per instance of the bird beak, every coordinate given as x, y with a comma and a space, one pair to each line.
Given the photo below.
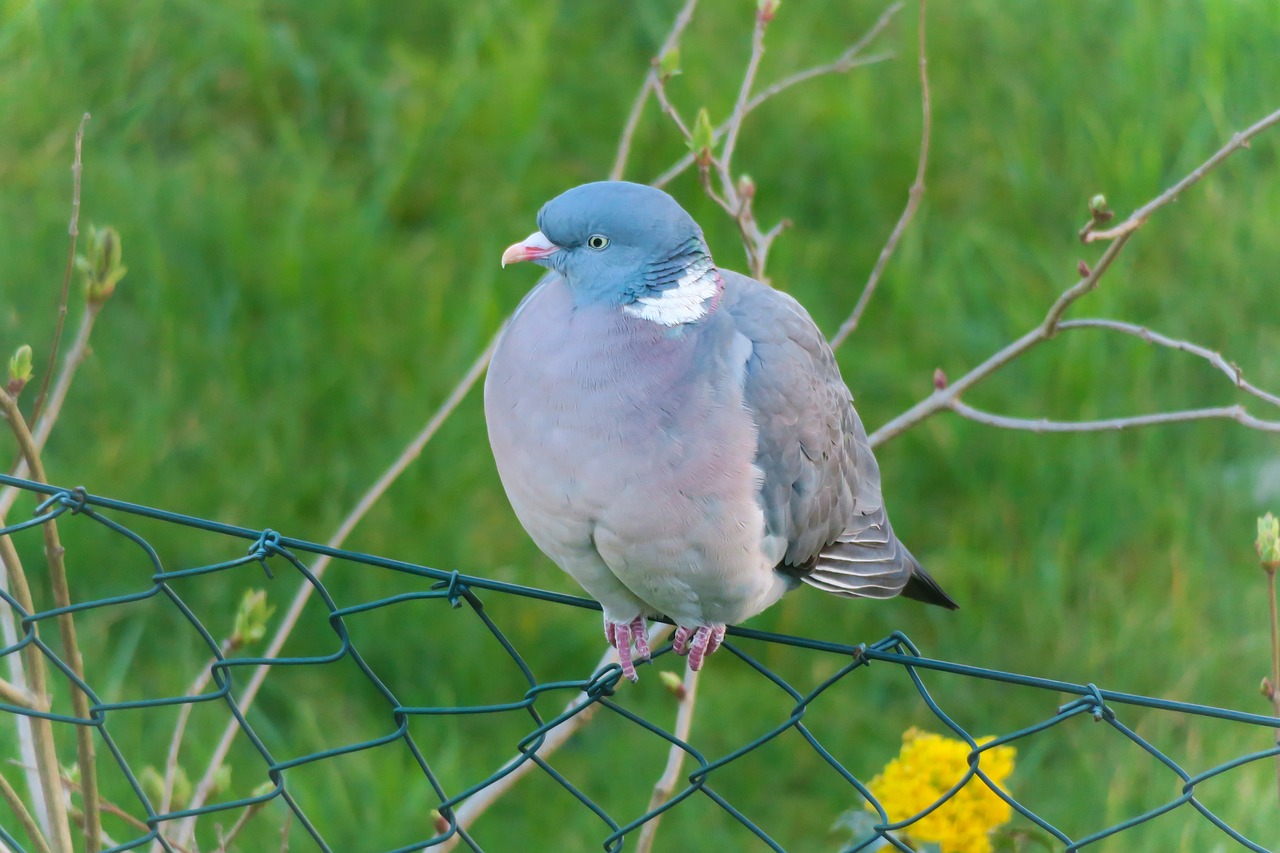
535, 247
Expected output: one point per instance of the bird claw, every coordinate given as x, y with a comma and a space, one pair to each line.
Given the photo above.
697, 643
622, 636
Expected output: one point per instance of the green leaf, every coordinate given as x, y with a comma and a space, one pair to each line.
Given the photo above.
100, 265
669, 64
251, 618
1268, 541
20, 372
702, 137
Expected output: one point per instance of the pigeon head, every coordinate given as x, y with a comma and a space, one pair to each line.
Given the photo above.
625, 245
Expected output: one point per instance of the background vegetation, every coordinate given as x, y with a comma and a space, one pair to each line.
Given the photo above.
313, 198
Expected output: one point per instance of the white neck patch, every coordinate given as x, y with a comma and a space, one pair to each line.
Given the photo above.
685, 302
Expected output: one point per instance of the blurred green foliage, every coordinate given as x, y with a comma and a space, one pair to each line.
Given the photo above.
313, 198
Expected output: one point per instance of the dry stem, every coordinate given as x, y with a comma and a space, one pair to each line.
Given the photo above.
19, 810
647, 88
666, 785
948, 397
1233, 413
55, 554
848, 60
1275, 657
73, 230
43, 750
1140, 216
20, 696
44, 417
196, 687
224, 840
914, 195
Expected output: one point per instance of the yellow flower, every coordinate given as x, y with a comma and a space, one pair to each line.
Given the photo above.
926, 769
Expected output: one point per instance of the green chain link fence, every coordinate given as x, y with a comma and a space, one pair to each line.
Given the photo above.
269, 548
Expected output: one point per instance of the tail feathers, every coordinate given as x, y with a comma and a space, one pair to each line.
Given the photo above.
922, 587
872, 567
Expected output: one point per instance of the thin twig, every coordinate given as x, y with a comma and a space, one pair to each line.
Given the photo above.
284, 831
847, 61
1140, 216
945, 397
914, 195
666, 785
290, 620
24, 817
941, 397
55, 554
44, 417
739, 114
469, 811
114, 810
1233, 413
1230, 369
660, 92
196, 687
642, 97
48, 417
8, 628
249, 812
1275, 656
73, 230
36, 741
20, 696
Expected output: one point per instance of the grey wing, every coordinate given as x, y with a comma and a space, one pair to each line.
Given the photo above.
821, 488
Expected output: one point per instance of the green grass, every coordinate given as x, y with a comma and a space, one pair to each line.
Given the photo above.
313, 198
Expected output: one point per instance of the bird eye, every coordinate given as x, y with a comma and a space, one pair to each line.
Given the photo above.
597, 241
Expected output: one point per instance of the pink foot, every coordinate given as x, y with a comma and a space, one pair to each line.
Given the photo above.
622, 635
705, 640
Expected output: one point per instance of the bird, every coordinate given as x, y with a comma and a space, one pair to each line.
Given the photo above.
677, 437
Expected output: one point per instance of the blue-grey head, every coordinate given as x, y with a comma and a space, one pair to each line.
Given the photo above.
628, 245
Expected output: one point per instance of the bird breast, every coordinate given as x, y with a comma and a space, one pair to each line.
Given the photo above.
619, 434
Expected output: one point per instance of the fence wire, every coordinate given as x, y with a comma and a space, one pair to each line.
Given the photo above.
269, 548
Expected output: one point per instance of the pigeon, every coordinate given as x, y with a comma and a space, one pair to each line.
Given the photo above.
677, 437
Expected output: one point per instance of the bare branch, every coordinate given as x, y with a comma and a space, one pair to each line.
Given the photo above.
914, 195
225, 839
37, 738
10, 796
739, 114
1140, 216
1229, 369
73, 229
670, 778
196, 687
660, 91
941, 398
1234, 413
847, 61
290, 620
28, 737
20, 696
48, 417
54, 553
842, 64
651, 79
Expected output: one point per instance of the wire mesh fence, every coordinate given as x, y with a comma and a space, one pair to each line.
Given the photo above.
270, 552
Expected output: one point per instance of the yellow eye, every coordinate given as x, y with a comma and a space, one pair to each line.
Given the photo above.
597, 242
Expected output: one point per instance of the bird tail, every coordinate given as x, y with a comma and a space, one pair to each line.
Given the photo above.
873, 563
922, 587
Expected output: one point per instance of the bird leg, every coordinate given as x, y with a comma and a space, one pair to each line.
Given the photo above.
621, 635
705, 640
